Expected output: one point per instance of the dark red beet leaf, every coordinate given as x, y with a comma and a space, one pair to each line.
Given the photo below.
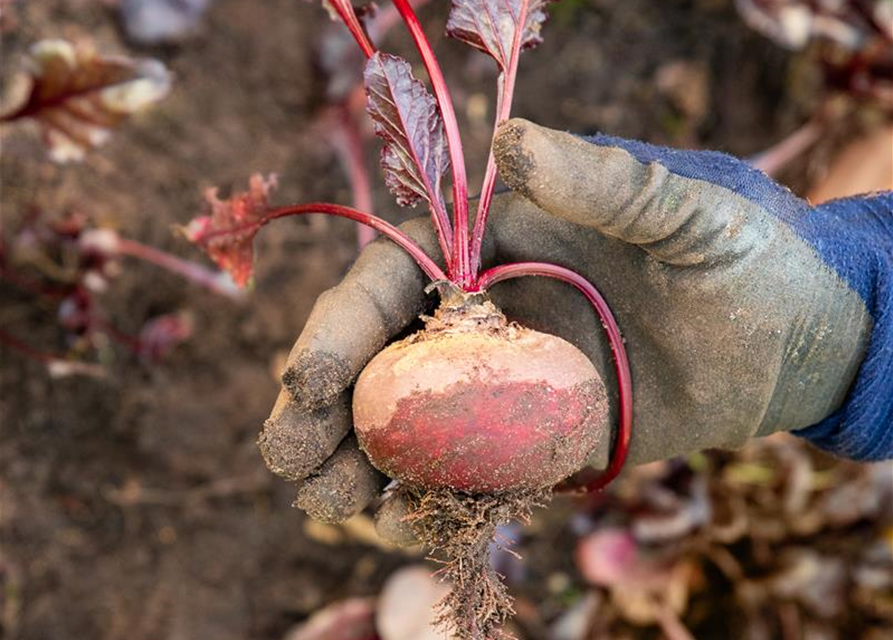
415, 155
490, 25
227, 234
501, 29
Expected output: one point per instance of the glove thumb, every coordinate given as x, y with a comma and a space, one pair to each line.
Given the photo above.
676, 219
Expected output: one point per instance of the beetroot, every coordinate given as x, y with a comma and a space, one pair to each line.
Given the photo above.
476, 404
476, 417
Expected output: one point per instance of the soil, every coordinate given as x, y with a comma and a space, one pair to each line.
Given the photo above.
138, 506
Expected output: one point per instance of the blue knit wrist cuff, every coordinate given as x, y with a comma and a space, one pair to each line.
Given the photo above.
863, 428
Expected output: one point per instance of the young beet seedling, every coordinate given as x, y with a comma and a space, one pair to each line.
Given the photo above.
478, 418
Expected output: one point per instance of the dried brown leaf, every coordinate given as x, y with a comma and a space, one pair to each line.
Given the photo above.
77, 95
490, 25
405, 115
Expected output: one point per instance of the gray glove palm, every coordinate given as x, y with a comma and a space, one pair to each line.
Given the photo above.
734, 326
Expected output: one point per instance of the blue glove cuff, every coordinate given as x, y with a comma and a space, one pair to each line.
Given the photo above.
863, 428
854, 237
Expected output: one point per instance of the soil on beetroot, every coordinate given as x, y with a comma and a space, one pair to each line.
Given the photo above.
453, 417
138, 506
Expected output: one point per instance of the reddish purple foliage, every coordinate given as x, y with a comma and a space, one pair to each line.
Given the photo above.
227, 233
492, 25
405, 116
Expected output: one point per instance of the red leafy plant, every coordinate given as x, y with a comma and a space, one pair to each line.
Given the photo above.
476, 417
227, 233
66, 265
77, 96
341, 123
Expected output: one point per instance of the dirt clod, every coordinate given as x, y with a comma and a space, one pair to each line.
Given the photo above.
516, 167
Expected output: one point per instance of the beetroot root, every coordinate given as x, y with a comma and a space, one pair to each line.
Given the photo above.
479, 405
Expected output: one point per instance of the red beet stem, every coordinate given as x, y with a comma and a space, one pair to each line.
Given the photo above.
461, 273
131, 342
438, 214
195, 273
385, 228
349, 18
348, 144
505, 94
387, 17
52, 361
26, 284
615, 340
779, 155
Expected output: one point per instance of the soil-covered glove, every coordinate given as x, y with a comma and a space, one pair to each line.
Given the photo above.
744, 310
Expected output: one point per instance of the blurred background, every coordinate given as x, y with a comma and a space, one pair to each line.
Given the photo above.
134, 379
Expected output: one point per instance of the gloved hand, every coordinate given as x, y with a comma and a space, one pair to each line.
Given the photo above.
744, 311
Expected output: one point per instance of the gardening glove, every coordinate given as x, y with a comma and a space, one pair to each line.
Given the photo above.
744, 310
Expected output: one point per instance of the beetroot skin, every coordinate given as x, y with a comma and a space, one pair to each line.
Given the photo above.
479, 405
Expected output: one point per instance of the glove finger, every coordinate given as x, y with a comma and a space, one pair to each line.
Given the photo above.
634, 198
342, 487
350, 323
295, 442
390, 522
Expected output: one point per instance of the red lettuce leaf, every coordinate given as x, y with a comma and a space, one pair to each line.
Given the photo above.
415, 154
490, 25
